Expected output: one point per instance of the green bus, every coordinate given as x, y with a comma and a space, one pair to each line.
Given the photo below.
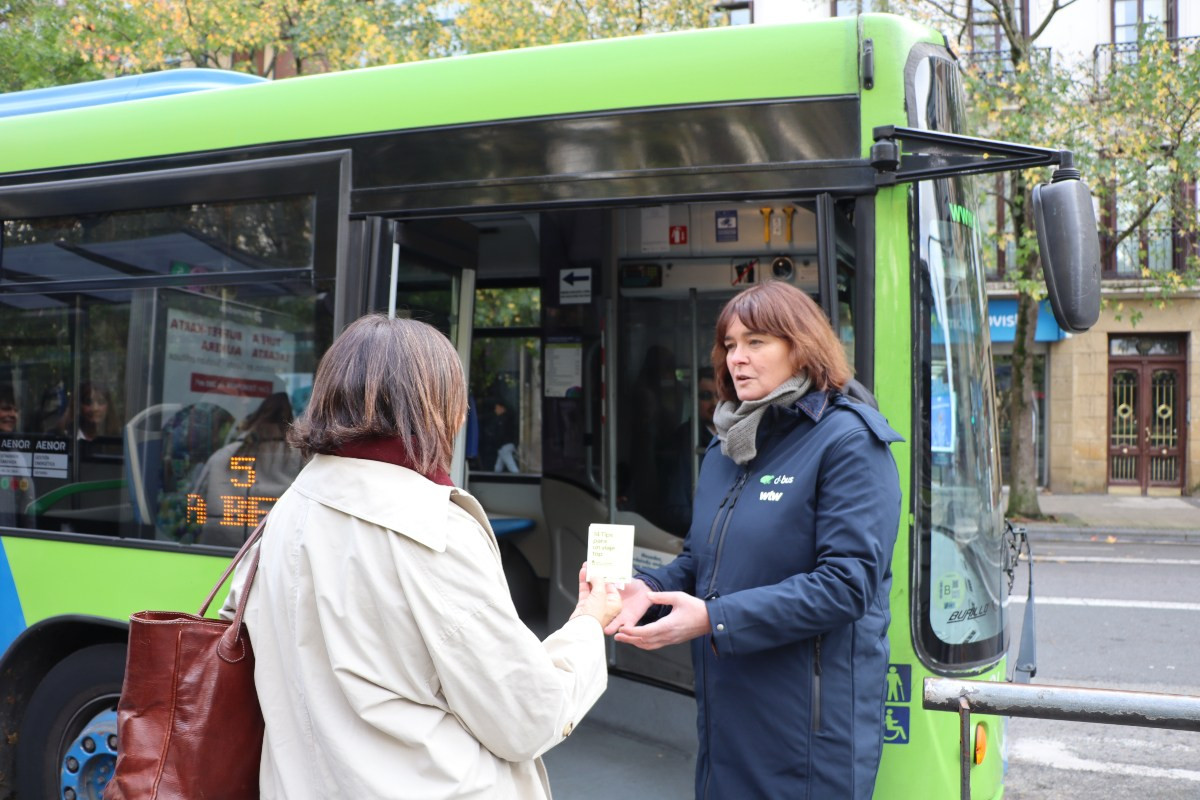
178, 250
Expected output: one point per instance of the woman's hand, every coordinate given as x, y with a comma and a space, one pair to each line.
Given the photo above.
687, 619
603, 604
635, 597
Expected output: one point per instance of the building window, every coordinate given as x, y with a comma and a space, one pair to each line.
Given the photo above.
1160, 244
986, 32
736, 12
850, 8
1132, 18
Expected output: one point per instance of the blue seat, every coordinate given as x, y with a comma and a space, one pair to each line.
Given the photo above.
505, 526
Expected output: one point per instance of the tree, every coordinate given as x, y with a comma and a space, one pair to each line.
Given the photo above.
273, 38
31, 49
487, 25
1146, 125
1132, 129
1014, 94
278, 38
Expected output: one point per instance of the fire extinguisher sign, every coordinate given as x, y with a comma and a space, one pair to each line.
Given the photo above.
678, 234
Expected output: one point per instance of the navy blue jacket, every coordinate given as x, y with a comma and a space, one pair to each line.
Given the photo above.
792, 553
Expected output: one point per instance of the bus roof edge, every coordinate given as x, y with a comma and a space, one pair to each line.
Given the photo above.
120, 90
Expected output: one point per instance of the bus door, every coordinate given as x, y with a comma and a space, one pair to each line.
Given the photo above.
667, 273
429, 274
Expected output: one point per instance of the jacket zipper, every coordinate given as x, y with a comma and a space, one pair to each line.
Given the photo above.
717, 517
816, 685
735, 493
721, 518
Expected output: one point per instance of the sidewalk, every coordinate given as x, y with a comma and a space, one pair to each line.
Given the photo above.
1175, 519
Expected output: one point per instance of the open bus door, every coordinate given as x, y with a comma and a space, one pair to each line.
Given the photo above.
629, 391
429, 275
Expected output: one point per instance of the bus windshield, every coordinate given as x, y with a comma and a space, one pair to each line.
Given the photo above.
961, 526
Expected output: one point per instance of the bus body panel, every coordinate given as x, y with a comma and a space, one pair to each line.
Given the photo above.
580, 78
59, 578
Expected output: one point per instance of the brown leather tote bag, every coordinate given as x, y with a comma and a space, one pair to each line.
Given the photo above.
189, 726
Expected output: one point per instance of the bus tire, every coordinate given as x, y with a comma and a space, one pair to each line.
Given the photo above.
75, 693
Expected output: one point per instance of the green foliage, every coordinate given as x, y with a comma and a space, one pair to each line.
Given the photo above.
1146, 118
130, 36
1131, 117
33, 53
487, 25
519, 307
51, 43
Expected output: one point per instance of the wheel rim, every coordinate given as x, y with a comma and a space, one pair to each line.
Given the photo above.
90, 756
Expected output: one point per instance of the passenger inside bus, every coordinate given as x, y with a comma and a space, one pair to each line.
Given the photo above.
16, 482
498, 437
10, 415
92, 415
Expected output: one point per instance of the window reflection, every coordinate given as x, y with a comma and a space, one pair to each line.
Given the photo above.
144, 410
504, 428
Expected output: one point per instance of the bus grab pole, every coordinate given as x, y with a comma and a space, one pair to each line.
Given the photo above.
1072, 703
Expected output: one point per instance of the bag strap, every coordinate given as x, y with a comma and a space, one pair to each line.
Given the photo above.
254, 537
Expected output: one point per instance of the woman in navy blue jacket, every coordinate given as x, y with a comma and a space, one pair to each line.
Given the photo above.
782, 586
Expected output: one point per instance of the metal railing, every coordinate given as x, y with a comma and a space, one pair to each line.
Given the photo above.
1158, 256
1105, 56
1071, 703
999, 62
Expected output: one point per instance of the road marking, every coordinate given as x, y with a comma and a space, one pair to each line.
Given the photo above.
1096, 602
1180, 562
1049, 753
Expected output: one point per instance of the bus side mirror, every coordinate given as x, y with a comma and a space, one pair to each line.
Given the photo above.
1070, 248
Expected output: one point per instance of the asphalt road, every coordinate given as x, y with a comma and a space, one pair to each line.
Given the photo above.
1115, 615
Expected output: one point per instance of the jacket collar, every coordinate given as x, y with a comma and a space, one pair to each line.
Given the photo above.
387, 495
814, 404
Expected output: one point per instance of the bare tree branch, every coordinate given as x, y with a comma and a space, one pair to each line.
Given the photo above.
1058, 6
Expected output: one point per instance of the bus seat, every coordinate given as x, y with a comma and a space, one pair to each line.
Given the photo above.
189, 437
143, 436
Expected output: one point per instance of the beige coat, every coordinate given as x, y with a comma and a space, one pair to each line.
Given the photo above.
390, 660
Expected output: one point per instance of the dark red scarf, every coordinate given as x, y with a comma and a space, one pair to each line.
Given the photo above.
389, 451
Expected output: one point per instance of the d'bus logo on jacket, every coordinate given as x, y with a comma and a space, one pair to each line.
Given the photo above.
773, 480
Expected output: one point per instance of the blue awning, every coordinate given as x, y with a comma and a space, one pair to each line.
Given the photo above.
1002, 318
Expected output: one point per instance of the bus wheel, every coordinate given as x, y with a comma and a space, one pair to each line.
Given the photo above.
67, 743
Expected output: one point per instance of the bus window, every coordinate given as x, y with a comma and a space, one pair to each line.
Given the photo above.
961, 539
679, 266
506, 381
664, 381
148, 406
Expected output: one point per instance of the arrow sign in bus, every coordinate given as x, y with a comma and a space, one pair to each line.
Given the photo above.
575, 286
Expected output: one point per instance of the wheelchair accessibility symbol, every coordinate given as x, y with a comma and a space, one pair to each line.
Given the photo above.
895, 725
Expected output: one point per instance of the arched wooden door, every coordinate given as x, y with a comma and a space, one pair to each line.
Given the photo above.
1146, 429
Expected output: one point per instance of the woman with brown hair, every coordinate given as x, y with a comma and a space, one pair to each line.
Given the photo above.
390, 659
782, 586
96, 415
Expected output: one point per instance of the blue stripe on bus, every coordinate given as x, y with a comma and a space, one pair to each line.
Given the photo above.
12, 619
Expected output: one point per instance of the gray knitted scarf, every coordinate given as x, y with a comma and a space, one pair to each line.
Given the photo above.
737, 423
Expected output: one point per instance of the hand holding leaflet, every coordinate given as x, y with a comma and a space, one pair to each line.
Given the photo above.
610, 554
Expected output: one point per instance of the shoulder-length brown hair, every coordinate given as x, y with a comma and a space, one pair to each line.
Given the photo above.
386, 378
782, 310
